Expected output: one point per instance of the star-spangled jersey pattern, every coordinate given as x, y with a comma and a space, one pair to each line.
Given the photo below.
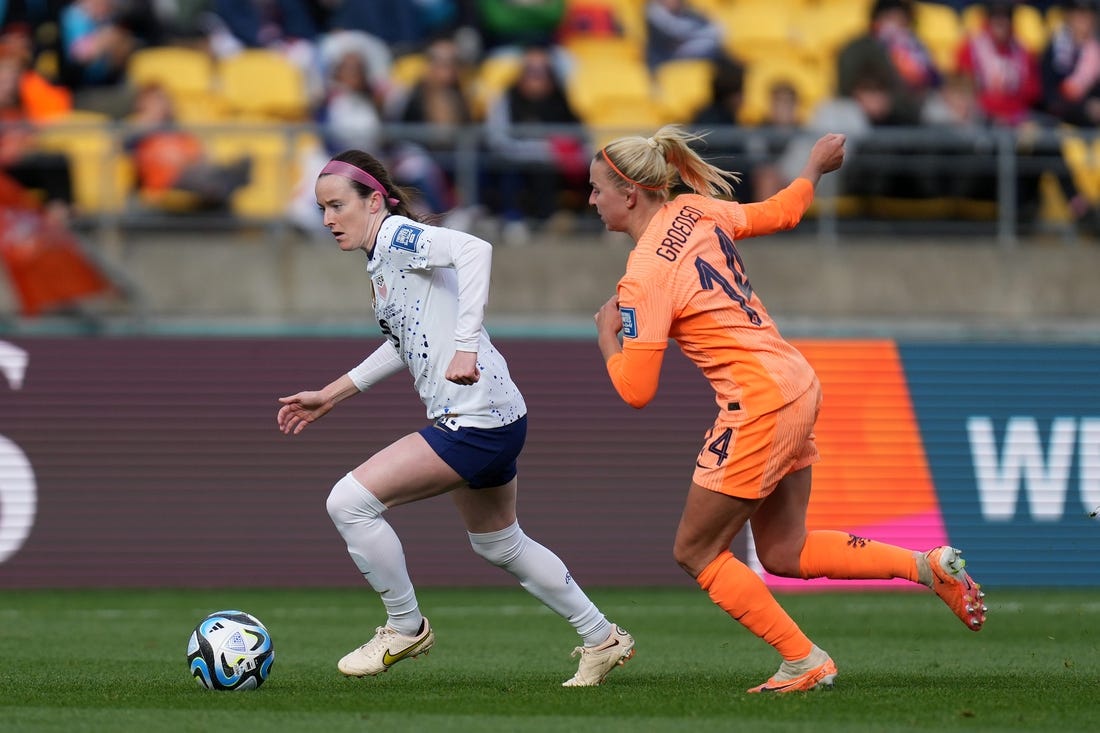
416, 286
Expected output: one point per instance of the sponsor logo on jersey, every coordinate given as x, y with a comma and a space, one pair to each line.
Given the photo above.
406, 237
630, 322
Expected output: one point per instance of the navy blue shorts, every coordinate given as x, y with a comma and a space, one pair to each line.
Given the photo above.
483, 457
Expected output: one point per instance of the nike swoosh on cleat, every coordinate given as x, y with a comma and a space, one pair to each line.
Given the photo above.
390, 659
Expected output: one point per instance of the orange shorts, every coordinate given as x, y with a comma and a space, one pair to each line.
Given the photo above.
746, 456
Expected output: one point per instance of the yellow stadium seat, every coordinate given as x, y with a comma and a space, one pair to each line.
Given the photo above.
179, 70
494, 76
259, 82
200, 108
826, 27
100, 177
759, 30
628, 117
1030, 27
408, 68
941, 30
813, 83
273, 165
594, 86
605, 49
684, 87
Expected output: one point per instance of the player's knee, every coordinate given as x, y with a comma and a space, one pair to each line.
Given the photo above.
501, 547
348, 502
688, 558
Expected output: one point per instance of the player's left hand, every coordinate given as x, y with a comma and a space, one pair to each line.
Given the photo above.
463, 368
608, 319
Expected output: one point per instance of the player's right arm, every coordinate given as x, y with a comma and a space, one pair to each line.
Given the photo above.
642, 314
299, 410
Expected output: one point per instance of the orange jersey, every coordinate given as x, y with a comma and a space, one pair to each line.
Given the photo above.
685, 280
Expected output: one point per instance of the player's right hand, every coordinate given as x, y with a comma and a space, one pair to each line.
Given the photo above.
301, 409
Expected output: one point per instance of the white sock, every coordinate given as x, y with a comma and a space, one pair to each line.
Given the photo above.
376, 550
545, 577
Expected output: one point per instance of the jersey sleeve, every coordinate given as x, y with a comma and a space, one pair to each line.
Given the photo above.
646, 310
779, 213
416, 246
635, 374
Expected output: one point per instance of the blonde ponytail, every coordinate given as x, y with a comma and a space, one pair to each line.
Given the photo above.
656, 163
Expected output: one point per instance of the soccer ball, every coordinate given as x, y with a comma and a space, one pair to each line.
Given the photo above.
230, 650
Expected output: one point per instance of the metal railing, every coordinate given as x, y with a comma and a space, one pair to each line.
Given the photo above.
991, 165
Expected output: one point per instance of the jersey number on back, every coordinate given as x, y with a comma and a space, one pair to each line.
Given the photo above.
740, 291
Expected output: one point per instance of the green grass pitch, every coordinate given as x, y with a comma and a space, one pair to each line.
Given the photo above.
115, 661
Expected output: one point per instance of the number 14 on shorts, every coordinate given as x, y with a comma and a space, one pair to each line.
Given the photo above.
717, 449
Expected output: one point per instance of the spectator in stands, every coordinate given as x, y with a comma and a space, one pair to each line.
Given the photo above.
675, 31
438, 101
26, 99
406, 25
535, 166
870, 103
890, 51
263, 23
350, 117
96, 44
350, 114
1071, 67
1004, 73
170, 159
730, 145
518, 23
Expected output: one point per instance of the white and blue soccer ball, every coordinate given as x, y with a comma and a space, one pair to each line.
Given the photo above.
230, 650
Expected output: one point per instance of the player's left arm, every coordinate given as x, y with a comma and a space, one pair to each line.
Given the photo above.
785, 209
472, 259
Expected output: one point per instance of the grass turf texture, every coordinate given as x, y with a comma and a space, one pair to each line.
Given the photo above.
115, 661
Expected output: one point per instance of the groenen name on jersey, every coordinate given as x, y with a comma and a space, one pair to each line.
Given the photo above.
678, 232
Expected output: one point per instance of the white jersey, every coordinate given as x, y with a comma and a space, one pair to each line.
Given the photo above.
418, 272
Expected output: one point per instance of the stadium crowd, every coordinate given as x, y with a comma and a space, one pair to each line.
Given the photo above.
196, 97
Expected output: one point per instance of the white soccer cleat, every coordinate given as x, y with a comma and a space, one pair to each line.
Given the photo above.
598, 661
386, 649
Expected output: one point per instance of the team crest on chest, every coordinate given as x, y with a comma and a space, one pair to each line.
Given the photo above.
380, 286
406, 237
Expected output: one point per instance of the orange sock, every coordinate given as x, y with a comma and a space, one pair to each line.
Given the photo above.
840, 555
742, 594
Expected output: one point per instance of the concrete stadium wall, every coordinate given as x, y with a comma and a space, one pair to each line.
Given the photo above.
264, 276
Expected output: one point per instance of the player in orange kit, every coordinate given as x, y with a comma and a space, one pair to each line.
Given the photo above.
685, 280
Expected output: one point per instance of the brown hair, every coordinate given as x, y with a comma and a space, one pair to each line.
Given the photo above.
367, 162
655, 164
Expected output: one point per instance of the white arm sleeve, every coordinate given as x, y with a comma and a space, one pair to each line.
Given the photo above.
472, 259
384, 362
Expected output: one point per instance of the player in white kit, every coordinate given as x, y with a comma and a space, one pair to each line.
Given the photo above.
430, 286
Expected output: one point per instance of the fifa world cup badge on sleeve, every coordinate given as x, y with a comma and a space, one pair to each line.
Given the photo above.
630, 322
406, 237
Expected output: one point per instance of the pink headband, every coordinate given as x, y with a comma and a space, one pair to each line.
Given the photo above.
355, 173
